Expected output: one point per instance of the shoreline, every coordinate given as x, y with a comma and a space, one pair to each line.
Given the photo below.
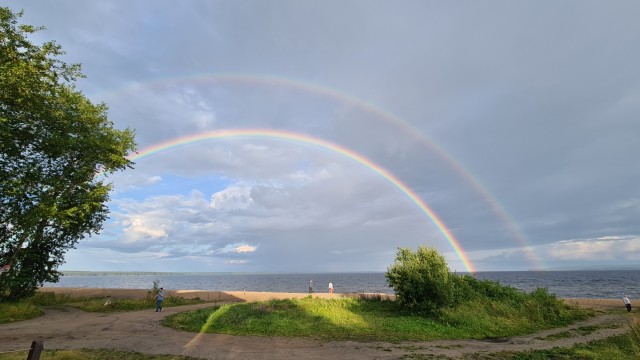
253, 296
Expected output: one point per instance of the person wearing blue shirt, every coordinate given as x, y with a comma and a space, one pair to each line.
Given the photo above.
159, 298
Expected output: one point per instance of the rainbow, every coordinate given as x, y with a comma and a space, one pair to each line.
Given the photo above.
370, 108
306, 139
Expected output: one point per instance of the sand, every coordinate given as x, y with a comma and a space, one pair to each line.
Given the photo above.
69, 328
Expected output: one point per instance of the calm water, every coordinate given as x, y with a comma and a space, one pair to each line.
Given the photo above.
584, 284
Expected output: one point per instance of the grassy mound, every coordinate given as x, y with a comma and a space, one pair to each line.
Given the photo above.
369, 319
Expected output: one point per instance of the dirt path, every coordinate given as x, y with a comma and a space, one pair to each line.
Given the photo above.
69, 328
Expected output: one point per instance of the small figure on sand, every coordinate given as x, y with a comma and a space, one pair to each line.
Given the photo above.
310, 286
159, 298
330, 288
627, 302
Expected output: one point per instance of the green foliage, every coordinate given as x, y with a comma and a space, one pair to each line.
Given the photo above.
93, 354
421, 280
54, 142
28, 308
151, 293
621, 347
17, 311
466, 287
117, 305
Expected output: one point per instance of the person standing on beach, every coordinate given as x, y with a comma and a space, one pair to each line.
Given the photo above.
627, 302
330, 288
159, 298
310, 286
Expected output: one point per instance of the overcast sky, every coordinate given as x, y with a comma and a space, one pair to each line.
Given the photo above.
516, 122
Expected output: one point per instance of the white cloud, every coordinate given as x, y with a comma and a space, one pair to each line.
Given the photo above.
613, 248
237, 248
245, 249
140, 228
237, 261
236, 197
154, 180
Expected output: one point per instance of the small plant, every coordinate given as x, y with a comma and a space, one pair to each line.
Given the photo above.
151, 293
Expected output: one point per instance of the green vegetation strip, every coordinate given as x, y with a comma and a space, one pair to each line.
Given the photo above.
364, 320
30, 308
87, 354
11, 312
580, 331
621, 347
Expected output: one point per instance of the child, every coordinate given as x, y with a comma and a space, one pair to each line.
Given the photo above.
159, 298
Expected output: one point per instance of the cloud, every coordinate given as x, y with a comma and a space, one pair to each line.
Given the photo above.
232, 198
139, 228
238, 249
237, 261
245, 248
599, 249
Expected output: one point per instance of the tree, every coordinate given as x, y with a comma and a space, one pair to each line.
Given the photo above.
53, 144
421, 280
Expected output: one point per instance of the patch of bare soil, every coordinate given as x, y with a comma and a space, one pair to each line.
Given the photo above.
69, 328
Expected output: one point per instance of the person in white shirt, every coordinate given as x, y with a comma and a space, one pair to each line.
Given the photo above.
627, 302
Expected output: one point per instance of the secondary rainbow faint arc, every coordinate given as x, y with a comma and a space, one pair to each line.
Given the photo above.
297, 137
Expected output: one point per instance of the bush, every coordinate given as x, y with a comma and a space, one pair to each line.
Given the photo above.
466, 287
421, 280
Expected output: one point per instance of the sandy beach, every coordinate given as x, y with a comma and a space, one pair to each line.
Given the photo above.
212, 296
141, 331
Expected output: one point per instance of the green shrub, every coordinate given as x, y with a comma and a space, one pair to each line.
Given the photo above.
421, 280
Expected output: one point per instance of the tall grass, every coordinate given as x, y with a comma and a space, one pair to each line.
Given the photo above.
90, 354
30, 308
11, 311
15, 311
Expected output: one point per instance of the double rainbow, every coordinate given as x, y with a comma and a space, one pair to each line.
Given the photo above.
306, 139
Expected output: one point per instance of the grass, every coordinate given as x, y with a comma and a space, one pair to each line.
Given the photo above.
364, 320
580, 331
114, 305
32, 307
88, 354
11, 312
621, 347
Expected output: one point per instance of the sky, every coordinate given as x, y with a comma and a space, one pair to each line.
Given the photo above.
321, 136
